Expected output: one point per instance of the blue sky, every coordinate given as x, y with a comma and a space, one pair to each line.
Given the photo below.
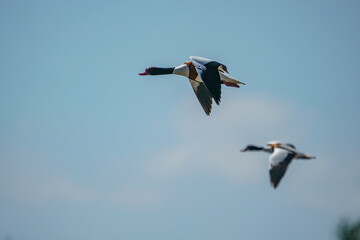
91, 150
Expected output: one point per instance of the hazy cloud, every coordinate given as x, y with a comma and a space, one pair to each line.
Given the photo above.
212, 144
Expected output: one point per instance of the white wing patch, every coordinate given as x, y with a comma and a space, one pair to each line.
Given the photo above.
277, 156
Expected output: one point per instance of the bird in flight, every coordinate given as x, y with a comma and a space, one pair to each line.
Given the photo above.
281, 155
205, 76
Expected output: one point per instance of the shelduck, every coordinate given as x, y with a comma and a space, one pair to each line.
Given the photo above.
205, 76
281, 155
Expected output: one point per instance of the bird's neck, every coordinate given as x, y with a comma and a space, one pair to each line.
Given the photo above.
160, 71
182, 70
255, 148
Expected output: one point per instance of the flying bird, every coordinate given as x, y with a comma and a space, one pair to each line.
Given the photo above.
205, 76
281, 155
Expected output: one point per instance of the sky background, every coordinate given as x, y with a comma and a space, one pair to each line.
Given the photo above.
91, 150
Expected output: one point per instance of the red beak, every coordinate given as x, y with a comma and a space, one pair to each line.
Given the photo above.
144, 73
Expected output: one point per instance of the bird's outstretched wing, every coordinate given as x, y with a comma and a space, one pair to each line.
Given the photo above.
278, 170
298, 155
209, 73
203, 95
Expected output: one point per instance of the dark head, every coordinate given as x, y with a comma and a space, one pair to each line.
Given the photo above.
157, 71
252, 148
